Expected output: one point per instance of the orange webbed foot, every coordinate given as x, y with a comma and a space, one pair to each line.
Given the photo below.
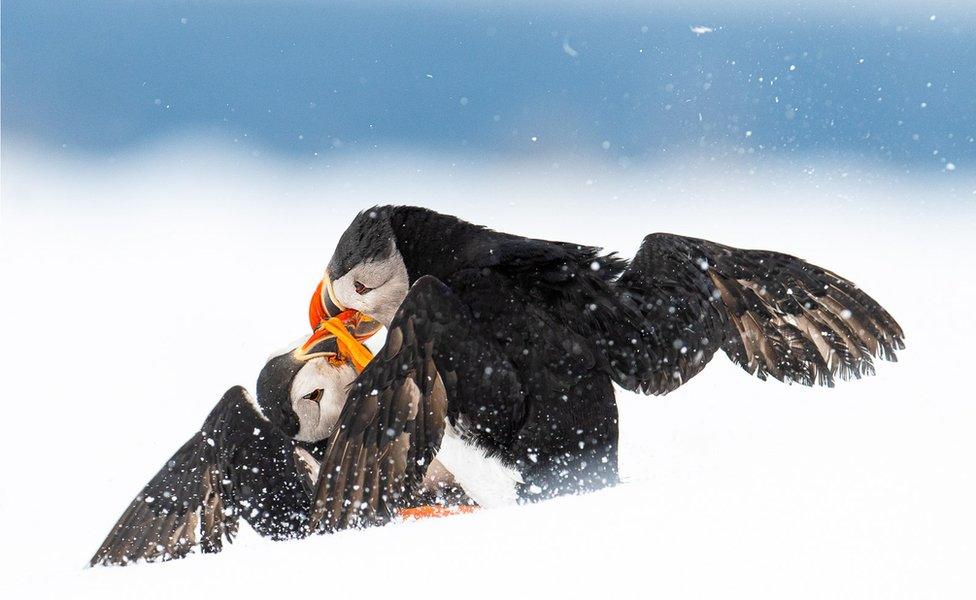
433, 511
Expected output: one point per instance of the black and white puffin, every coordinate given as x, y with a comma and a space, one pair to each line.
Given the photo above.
256, 460
507, 347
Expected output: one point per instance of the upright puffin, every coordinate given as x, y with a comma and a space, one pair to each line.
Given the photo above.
508, 346
256, 460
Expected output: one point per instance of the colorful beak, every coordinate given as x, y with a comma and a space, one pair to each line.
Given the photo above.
349, 346
324, 305
350, 327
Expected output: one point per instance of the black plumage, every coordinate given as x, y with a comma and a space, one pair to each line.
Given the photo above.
237, 465
773, 314
518, 341
245, 462
426, 372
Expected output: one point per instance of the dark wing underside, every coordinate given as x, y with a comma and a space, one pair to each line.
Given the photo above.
195, 500
773, 314
392, 423
162, 521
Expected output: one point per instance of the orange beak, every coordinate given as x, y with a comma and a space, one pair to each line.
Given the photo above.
316, 311
329, 318
324, 305
349, 346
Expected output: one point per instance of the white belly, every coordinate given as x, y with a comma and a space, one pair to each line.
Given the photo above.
486, 480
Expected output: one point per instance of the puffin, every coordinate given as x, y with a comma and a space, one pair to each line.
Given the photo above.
504, 349
256, 459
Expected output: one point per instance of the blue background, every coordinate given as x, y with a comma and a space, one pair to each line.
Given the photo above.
479, 82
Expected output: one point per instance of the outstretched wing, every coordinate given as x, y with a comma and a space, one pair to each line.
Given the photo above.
196, 498
392, 423
773, 314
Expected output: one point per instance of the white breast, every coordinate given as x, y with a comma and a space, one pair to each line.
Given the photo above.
486, 480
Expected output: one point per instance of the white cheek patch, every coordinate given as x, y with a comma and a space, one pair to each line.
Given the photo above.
316, 419
486, 480
389, 280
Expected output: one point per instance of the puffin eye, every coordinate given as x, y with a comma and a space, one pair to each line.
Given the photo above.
362, 289
314, 396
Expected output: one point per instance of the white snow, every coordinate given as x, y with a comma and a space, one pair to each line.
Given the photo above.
569, 50
135, 292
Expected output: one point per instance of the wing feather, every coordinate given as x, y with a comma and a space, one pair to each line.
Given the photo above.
773, 314
191, 503
391, 425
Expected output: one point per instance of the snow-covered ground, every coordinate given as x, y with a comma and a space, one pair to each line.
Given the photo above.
134, 292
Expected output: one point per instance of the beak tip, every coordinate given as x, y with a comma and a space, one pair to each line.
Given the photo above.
324, 305
316, 311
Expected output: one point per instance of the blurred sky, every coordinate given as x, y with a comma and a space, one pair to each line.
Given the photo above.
891, 83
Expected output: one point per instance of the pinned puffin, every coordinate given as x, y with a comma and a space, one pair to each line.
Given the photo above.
507, 347
256, 460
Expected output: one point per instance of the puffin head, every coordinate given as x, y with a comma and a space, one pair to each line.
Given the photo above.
301, 391
367, 273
